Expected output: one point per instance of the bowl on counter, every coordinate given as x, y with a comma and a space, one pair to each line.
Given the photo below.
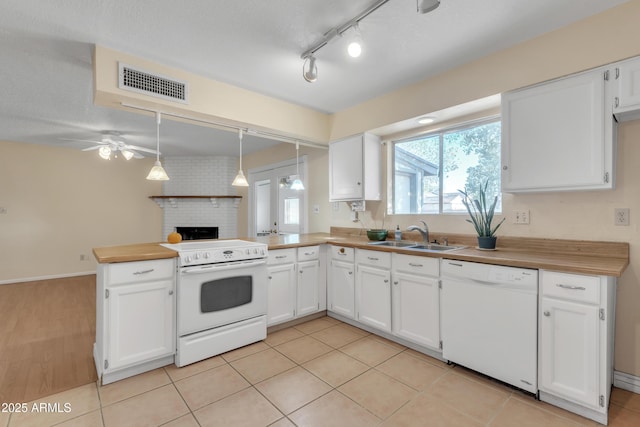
376, 234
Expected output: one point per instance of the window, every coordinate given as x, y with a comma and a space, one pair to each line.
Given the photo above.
429, 170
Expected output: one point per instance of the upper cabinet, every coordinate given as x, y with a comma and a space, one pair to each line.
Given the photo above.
354, 168
560, 135
626, 104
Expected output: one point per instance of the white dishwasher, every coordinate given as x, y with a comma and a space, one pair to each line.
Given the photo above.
489, 320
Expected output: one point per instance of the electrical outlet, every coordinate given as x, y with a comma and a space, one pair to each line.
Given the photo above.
316, 209
621, 216
3, 210
521, 217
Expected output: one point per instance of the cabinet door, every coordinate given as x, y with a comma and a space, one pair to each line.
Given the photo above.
373, 297
341, 288
558, 135
307, 295
569, 349
141, 323
281, 293
628, 87
346, 169
416, 309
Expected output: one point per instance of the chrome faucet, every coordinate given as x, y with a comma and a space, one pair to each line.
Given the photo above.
424, 232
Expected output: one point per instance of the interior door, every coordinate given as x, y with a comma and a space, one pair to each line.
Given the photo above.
277, 209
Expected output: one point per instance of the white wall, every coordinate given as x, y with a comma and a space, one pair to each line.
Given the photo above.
201, 176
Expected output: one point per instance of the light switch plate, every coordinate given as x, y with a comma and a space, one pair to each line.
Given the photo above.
521, 217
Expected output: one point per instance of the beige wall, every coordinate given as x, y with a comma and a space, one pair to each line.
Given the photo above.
62, 202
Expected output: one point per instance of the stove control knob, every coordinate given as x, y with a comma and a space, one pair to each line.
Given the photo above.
247, 251
187, 259
207, 255
196, 256
255, 251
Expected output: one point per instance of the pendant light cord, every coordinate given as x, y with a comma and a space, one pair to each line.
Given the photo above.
158, 119
240, 136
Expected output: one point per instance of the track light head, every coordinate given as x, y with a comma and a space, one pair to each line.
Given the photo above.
426, 6
309, 69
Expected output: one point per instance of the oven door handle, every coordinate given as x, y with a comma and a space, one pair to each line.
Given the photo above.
221, 267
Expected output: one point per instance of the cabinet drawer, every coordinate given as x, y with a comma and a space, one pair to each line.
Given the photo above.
140, 271
574, 287
308, 253
282, 256
374, 258
422, 266
342, 253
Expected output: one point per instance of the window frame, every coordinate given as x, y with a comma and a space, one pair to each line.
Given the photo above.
440, 132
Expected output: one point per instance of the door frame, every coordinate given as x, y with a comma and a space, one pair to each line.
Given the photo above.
304, 171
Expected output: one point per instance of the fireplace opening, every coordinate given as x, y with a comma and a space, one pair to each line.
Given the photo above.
197, 233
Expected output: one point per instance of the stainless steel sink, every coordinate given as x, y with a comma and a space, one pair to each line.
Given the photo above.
434, 248
393, 243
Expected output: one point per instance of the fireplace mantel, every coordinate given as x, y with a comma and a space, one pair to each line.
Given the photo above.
173, 200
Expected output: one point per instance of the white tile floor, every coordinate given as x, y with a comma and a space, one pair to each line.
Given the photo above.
319, 373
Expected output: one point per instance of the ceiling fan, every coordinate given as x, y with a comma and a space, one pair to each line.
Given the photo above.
113, 143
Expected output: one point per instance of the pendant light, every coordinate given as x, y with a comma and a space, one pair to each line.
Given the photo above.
157, 172
240, 180
297, 183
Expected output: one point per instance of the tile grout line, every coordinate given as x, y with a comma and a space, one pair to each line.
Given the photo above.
181, 396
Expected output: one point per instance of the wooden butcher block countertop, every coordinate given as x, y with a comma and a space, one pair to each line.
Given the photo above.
572, 256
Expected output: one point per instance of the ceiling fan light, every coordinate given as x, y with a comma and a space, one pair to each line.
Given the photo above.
105, 152
157, 173
310, 69
240, 180
127, 154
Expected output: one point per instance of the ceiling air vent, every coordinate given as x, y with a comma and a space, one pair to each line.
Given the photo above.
137, 80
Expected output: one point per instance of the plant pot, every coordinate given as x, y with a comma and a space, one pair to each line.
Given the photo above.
487, 242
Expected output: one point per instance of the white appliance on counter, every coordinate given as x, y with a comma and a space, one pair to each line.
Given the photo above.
221, 297
489, 320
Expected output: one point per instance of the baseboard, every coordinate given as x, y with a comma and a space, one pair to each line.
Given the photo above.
55, 276
626, 381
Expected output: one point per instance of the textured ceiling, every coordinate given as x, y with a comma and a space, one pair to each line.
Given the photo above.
46, 71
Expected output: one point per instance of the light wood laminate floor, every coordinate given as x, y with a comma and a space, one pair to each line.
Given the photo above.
47, 330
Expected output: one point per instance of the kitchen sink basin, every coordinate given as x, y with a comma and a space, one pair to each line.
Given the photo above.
393, 244
434, 248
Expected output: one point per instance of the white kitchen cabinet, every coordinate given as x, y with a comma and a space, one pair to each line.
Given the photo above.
576, 322
135, 318
626, 76
416, 299
281, 292
373, 289
354, 168
341, 282
559, 135
308, 287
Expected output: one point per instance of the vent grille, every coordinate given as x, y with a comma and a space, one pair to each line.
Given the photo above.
140, 81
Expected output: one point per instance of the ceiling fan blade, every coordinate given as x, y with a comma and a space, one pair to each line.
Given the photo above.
137, 155
84, 140
97, 147
145, 150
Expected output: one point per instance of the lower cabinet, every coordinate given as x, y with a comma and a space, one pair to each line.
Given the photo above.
135, 318
295, 284
373, 289
416, 299
576, 342
341, 282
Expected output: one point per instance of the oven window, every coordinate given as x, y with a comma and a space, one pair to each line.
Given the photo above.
225, 293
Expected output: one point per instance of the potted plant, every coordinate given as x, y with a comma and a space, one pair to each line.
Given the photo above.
482, 216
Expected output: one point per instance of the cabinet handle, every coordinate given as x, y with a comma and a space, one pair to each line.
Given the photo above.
547, 313
415, 265
372, 258
309, 253
571, 287
301, 271
351, 272
505, 167
171, 292
280, 256
395, 283
455, 264
143, 271
617, 102
270, 277
359, 183
386, 281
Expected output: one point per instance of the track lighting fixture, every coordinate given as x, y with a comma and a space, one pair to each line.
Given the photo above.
240, 180
157, 172
310, 70
426, 6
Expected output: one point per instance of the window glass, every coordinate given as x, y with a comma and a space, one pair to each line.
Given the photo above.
291, 211
429, 170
